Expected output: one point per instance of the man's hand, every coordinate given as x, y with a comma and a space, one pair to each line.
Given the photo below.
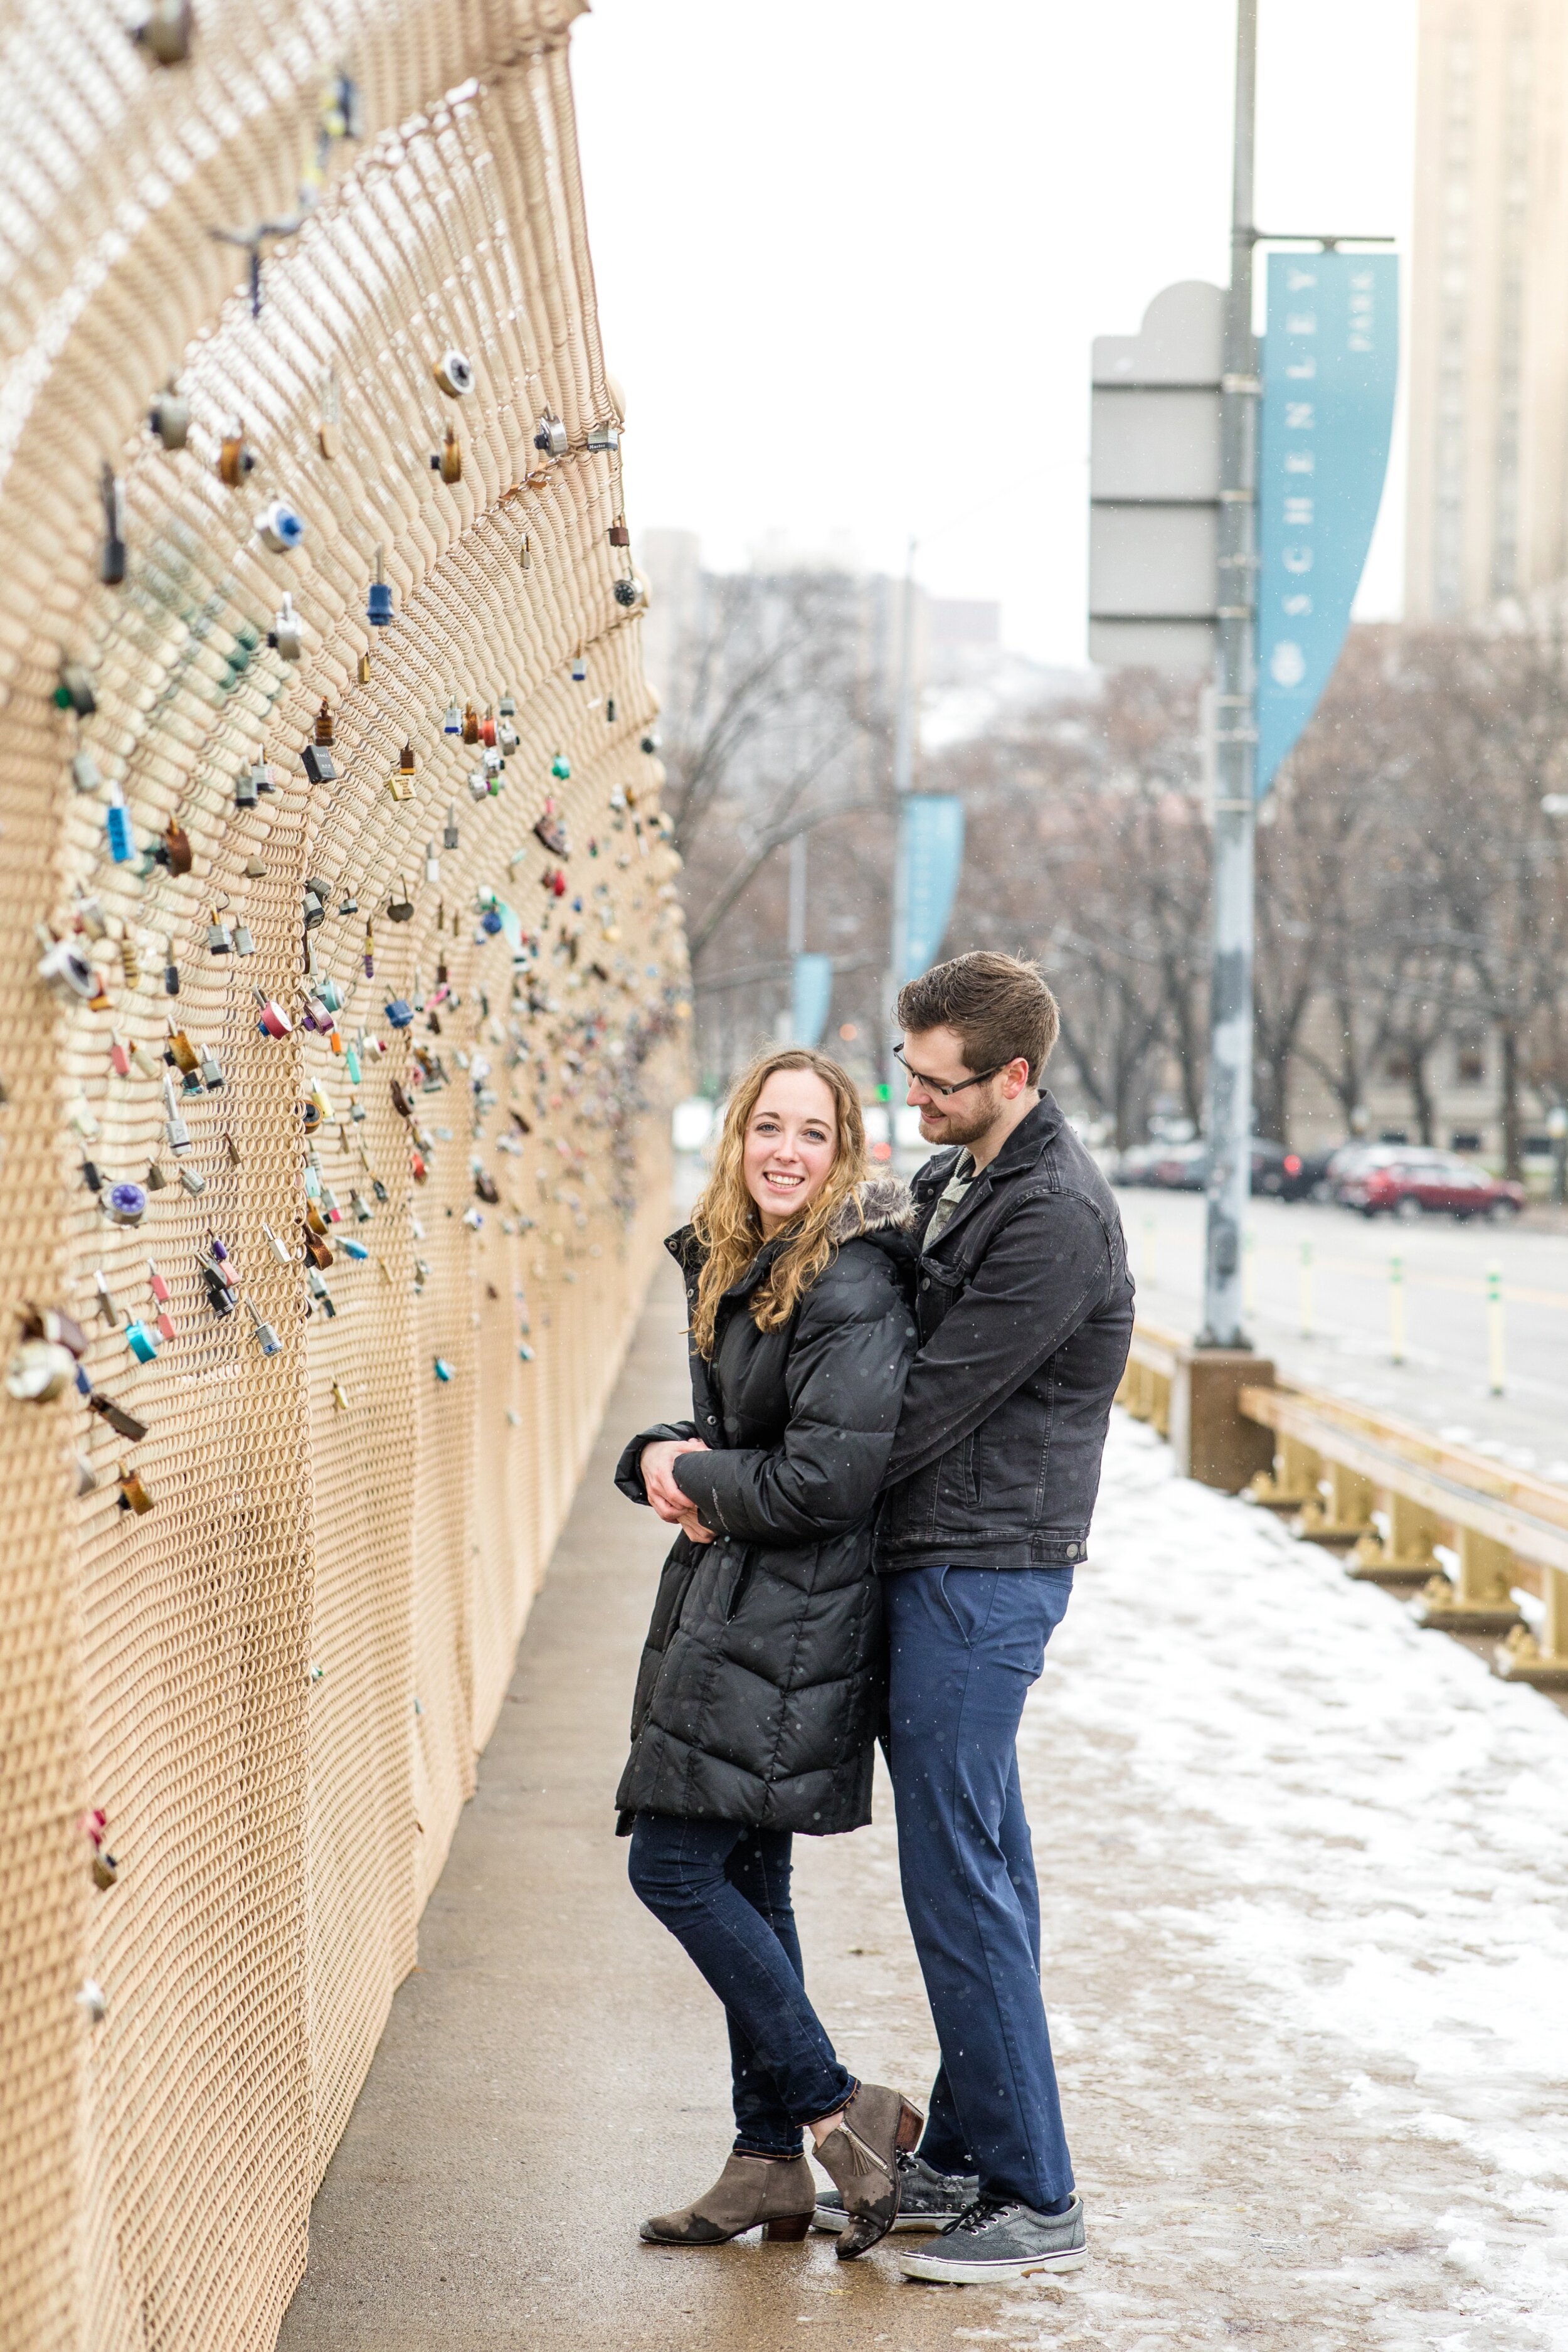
694, 1527
662, 1492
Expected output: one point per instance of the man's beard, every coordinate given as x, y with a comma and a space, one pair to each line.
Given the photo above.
965, 1122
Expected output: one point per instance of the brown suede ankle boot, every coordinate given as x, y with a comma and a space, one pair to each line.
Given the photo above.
860, 2154
751, 2189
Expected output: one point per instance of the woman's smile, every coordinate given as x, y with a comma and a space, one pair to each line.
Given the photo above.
791, 1144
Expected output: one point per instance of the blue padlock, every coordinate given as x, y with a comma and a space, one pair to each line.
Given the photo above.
140, 1342
400, 1013
122, 844
379, 611
280, 528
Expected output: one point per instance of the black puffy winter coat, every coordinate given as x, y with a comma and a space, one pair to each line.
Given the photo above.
761, 1688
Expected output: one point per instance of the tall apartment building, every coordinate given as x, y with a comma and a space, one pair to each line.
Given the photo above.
1487, 514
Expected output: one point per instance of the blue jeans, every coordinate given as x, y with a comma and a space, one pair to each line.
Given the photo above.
723, 1891
964, 1645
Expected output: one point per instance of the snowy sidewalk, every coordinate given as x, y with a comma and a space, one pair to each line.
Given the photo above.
1305, 1874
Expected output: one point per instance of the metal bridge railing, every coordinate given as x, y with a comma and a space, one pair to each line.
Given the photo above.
1404, 1507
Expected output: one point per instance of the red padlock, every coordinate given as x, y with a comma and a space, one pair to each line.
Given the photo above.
159, 1289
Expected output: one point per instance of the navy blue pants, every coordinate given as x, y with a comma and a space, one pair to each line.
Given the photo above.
723, 1891
966, 1644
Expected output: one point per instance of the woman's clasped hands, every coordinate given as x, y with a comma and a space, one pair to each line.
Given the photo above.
667, 1497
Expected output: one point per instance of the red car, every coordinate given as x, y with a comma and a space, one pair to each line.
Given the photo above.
1398, 1183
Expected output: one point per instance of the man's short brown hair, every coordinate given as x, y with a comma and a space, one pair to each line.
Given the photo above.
999, 1004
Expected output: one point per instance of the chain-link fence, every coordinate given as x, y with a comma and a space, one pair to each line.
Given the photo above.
331, 1161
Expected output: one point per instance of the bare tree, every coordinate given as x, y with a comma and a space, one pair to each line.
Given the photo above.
1501, 703
1412, 867
1087, 846
1322, 912
777, 730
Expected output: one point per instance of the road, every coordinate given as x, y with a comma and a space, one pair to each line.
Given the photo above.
1443, 1383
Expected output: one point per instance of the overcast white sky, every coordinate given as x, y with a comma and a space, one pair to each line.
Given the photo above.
850, 254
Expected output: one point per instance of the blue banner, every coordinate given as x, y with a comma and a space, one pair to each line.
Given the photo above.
931, 852
1331, 363
810, 997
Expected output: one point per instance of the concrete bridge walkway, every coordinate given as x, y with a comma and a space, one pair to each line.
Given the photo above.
1306, 1885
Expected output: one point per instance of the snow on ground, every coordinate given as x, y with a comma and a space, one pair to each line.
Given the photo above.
1306, 1871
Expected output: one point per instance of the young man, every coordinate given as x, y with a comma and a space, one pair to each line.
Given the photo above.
1024, 1311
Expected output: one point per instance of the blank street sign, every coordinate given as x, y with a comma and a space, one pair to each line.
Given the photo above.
1154, 485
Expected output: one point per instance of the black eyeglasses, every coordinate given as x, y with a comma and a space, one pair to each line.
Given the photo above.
936, 1087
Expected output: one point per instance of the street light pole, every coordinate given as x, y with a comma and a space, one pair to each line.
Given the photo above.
1230, 1104
902, 783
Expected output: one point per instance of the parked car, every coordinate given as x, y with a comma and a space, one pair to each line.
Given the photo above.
1269, 1161
1178, 1167
1304, 1176
1133, 1164
1184, 1167
1351, 1160
1412, 1182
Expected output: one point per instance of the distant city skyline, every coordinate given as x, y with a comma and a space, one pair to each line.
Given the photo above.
1489, 411
849, 268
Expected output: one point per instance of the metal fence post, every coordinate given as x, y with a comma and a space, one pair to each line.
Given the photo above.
1494, 1327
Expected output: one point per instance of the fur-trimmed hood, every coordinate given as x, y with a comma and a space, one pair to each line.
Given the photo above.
880, 1204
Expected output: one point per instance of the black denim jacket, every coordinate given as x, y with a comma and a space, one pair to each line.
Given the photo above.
1024, 1313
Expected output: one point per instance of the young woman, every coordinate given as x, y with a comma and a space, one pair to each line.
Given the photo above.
761, 1689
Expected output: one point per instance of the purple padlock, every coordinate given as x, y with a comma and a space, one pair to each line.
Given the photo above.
127, 1204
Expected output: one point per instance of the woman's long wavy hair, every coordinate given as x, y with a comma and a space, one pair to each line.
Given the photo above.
728, 1222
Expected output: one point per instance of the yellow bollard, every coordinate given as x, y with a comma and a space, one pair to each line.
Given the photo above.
1494, 1325
1306, 1290
1396, 1307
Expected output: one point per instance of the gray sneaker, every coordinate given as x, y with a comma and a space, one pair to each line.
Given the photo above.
926, 2200
997, 2240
